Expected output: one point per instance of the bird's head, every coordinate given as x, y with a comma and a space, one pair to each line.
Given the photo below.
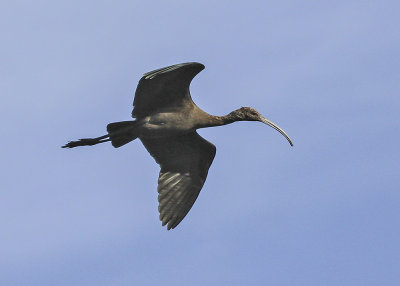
250, 114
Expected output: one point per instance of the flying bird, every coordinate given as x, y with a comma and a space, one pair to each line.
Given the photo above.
166, 123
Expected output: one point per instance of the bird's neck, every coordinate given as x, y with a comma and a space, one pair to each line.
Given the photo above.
211, 120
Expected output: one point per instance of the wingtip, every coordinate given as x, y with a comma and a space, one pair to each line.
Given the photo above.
154, 73
170, 223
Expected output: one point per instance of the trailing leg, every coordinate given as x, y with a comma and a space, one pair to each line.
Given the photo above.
87, 142
119, 133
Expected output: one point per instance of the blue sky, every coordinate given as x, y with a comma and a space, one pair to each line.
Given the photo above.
325, 212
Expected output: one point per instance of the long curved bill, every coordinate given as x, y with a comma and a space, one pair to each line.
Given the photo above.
276, 127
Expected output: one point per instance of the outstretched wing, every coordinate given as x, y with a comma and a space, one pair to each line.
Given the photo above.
184, 162
164, 88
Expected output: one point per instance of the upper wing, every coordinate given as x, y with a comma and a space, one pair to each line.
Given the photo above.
163, 88
184, 162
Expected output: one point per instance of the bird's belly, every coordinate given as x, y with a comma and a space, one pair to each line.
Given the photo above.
165, 126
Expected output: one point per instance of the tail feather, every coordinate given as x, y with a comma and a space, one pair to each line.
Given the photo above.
122, 132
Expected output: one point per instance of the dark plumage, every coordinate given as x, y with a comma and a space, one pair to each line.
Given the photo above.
166, 123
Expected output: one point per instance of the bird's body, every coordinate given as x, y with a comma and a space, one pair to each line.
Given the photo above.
166, 123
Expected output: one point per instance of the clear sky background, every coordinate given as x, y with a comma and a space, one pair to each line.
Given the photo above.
325, 212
